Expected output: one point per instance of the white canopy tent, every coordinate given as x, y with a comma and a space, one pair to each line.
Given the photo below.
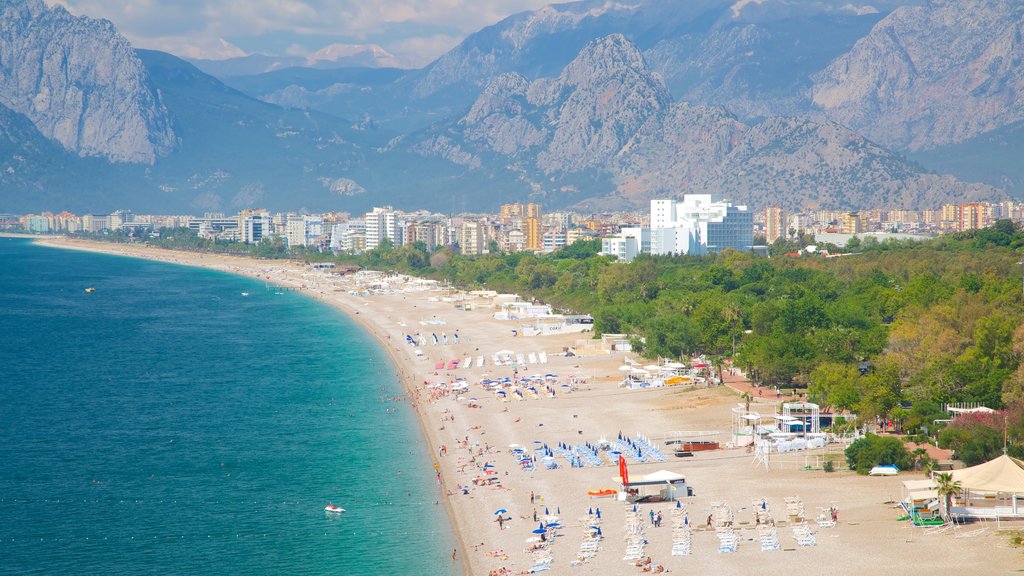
991, 490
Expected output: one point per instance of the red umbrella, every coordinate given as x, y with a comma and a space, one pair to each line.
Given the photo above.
623, 472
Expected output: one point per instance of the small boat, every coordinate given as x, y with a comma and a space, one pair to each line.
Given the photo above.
245, 293
90, 289
333, 508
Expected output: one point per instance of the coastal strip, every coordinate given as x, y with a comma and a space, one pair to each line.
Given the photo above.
477, 438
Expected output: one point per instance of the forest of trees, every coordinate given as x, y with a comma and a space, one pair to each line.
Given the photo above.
894, 330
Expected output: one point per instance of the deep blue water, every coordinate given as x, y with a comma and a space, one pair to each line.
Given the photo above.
167, 424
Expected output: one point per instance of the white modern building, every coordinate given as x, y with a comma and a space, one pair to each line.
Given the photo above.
383, 223
256, 226
629, 243
698, 225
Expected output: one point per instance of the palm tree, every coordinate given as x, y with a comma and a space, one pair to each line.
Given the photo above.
947, 488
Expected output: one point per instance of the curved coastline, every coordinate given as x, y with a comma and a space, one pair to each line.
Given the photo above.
252, 268
471, 439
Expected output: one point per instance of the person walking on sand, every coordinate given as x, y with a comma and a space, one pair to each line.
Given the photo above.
652, 518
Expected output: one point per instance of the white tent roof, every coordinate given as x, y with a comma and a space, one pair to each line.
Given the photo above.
919, 495
659, 477
914, 485
663, 476
1004, 474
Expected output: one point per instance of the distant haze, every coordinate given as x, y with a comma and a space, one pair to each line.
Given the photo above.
414, 31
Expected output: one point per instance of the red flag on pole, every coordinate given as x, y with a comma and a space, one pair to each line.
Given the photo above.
623, 472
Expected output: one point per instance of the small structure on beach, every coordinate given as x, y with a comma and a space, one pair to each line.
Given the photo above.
994, 489
660, 486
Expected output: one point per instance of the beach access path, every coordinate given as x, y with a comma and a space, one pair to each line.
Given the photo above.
471, 432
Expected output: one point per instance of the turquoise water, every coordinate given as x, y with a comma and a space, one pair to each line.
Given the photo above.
167, 424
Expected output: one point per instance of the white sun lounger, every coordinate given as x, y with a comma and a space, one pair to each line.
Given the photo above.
532, 358
479, 361
543, 357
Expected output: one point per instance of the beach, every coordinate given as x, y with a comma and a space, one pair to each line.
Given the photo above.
472, 434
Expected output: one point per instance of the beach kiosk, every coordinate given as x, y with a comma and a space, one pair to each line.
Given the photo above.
660, 486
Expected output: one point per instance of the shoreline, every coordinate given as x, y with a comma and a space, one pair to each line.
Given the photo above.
182, 258
467, 436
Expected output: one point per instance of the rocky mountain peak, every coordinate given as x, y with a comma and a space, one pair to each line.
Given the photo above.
80, 83
929, 75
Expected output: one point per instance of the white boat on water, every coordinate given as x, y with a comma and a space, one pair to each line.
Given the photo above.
245, 293
333, 508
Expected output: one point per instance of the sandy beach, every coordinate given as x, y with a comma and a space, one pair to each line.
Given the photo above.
471, 434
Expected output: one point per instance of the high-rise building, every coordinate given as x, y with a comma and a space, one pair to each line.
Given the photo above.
471, 238
774, 224
532, 231
698, 225
972, 216
853, 223
383, 223
256, 225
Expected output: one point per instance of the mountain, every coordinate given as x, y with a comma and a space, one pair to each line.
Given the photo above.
932, 75
607, 118
80, 83
588, 104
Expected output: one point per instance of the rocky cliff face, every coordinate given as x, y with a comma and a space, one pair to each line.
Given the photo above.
930, 75
80, 83
607, 113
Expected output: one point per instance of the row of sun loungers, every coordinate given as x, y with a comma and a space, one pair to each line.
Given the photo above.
520, 359
635, 540
803, 535
591, 539
682, 534
767, 533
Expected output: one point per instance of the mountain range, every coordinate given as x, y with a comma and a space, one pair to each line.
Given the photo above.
592, 104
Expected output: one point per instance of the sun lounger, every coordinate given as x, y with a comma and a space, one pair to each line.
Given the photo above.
543, 357
479, 361
532, 358
468, 362
520, 359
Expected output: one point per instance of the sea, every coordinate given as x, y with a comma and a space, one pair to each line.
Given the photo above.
168, 423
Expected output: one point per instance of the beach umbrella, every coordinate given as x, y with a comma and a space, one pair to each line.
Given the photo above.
590, 511
546, 513
686, 520
541, 526
540, 531
500, 511
634, 507
598, 512
679, 504
558, 510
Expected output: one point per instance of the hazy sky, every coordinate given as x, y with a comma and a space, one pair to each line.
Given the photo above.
418, 30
